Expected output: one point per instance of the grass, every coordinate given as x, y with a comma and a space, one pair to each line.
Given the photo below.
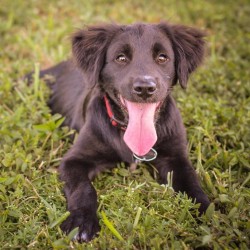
135, 212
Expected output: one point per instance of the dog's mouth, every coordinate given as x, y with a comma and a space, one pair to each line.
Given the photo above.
140, 135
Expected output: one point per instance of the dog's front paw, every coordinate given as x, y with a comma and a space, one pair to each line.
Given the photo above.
86, 221
204, 203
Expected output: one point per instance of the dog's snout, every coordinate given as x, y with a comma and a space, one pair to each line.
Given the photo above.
144, 88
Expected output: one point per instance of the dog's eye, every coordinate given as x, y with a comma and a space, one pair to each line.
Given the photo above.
162, 58
121, 59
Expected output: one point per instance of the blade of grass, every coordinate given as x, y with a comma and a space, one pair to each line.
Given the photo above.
60, 220
137, 217
110, 226
36, 79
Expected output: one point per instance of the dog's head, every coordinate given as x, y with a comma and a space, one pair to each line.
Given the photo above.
136, 67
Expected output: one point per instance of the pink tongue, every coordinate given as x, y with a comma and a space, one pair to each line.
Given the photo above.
140, 135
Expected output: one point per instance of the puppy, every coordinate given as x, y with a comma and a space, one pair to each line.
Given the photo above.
116, 92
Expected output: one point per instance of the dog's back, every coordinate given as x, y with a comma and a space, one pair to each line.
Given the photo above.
69, 92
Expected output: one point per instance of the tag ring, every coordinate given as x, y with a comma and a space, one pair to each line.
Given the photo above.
144, 158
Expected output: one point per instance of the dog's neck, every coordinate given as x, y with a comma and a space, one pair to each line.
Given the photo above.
117, 123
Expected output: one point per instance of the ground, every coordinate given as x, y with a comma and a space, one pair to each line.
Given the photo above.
135, 212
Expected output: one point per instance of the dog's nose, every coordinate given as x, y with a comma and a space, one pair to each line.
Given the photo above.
144, 88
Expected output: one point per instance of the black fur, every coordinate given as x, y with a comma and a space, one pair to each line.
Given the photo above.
77, 93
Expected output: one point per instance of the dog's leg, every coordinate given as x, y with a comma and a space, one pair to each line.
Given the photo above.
185, 179
81, 199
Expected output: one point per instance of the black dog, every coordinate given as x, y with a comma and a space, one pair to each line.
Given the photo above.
118, 96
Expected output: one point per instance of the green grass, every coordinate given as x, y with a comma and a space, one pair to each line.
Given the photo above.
135, 212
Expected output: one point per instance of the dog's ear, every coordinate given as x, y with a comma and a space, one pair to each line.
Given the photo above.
89, 49
189, 49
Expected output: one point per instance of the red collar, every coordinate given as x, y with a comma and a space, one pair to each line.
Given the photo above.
113, 120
